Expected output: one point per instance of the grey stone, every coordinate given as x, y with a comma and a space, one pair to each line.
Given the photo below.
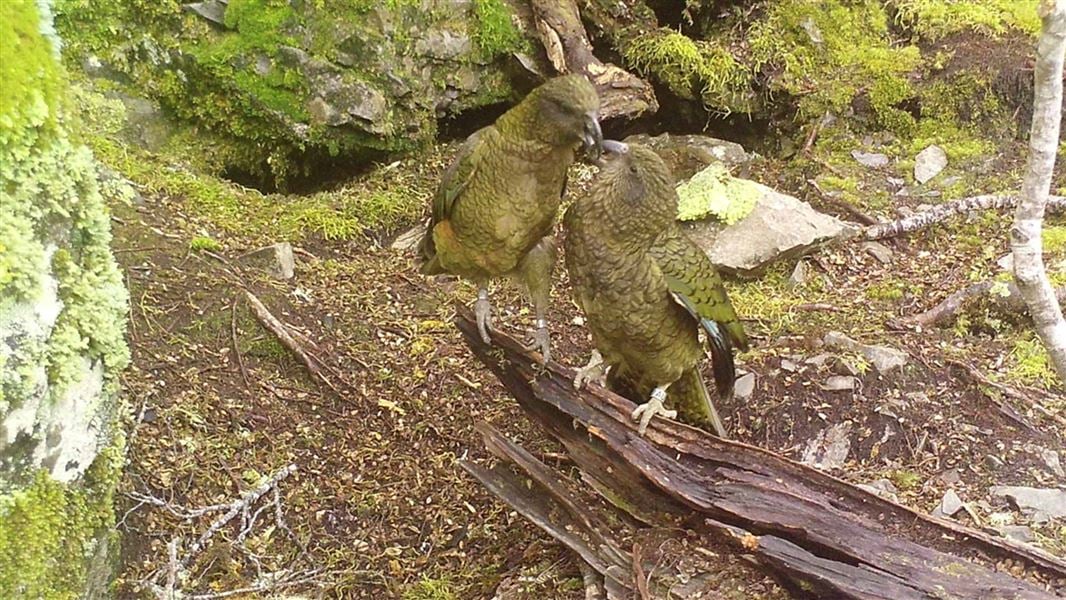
994, 462
1051, 459
779, 227
819, 360
839, 383
1018, 533
789, 365
929, 163
276, 259
687, 155
883, 358
950, 503
211, 10
881, 252
1041, 503
409, 239
146, 125
883, 488
874, 160
799, 275
744, 386
443, 44
950, 477
830, 448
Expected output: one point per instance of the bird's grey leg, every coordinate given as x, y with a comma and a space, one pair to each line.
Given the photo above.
535, 270
483, 312
596, 370
654, 406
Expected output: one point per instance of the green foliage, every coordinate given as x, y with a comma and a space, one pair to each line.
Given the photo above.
692, 69
47, 529
496, 33
1030, 362
713, 191
936, 19
832, 51
31, 82
430, 589
200, 243
1054, 238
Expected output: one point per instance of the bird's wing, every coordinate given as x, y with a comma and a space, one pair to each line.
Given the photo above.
458, 175
695, 284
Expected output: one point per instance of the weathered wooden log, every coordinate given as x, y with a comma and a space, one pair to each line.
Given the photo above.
559, 27
825, 536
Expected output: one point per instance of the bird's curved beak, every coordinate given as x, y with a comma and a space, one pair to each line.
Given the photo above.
611, 148
593, 136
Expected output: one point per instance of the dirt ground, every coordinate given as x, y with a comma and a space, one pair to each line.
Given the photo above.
378, 507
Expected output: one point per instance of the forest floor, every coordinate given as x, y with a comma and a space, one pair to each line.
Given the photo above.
377, 499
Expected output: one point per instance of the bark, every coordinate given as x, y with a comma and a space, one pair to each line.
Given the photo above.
563, 35
814, 532
1026, 243
943, 212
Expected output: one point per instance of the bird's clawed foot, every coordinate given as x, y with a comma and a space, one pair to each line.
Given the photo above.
596, 370
541, 340
483, 312
654, 406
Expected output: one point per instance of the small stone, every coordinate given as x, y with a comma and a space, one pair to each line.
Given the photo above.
950, 477
950, 503
929, 163
819, 360
846, 367
881, 252
839, 383
798, 276
744, 386
409, 239
830, 448
1040, 503
883, 358
212, 10
789, 365
1051, 459
874, 160
275, 259
994, 462
883, 488
1018, 533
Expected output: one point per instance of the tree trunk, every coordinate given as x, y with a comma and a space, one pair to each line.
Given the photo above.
1026, 243
816, 533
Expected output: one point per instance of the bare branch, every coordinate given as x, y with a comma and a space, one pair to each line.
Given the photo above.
947, 210
949, 307
1025, 236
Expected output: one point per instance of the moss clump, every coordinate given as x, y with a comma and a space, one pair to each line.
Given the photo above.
496, 34
430, 589
201, 243
831, 52
1030, 362
713, 191
49, 531
694, 69
936, 19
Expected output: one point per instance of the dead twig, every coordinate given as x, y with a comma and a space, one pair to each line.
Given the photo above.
1009, 392
639, 577
856, 214
948, 308
233, 335
945, 211
315, 365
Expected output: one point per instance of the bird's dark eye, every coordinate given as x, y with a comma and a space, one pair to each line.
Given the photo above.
633, 169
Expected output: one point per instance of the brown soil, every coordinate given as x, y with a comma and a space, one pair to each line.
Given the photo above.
378, 499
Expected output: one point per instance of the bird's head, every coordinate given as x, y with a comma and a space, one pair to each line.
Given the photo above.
568, 113
637, 186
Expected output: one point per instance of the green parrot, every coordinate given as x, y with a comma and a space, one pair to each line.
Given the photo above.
646, 290
496, 204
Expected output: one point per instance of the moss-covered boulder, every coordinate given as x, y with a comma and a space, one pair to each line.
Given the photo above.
62, 313
285, 85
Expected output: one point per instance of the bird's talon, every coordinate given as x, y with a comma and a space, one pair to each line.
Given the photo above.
595, 370
483, 312
654, 406
541, 340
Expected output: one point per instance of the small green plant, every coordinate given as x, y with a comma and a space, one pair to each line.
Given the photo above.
1031, 364
430, 589
713, 191
201, 243
904, 480
496, 34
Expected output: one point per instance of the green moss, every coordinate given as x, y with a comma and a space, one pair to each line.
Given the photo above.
31, 86
935, 19
855, 56
1030, 363
496, 34
204, 243
1054, 238
430, 589
904, 480
49, 531
713, 191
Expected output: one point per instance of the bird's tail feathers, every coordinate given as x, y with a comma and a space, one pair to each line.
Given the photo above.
725, 374
427, 251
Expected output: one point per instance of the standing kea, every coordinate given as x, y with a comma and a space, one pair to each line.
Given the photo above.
496, 204
646, 289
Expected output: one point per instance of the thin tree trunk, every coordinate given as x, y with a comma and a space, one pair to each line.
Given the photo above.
1026, 243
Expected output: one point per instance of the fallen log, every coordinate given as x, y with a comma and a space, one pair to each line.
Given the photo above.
818, 534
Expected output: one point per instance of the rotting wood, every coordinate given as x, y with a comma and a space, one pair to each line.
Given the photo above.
824, 535
559, 27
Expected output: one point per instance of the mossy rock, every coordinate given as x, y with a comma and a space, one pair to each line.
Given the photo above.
288, 86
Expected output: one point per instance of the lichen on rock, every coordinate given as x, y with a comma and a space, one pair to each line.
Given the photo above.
62, 324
